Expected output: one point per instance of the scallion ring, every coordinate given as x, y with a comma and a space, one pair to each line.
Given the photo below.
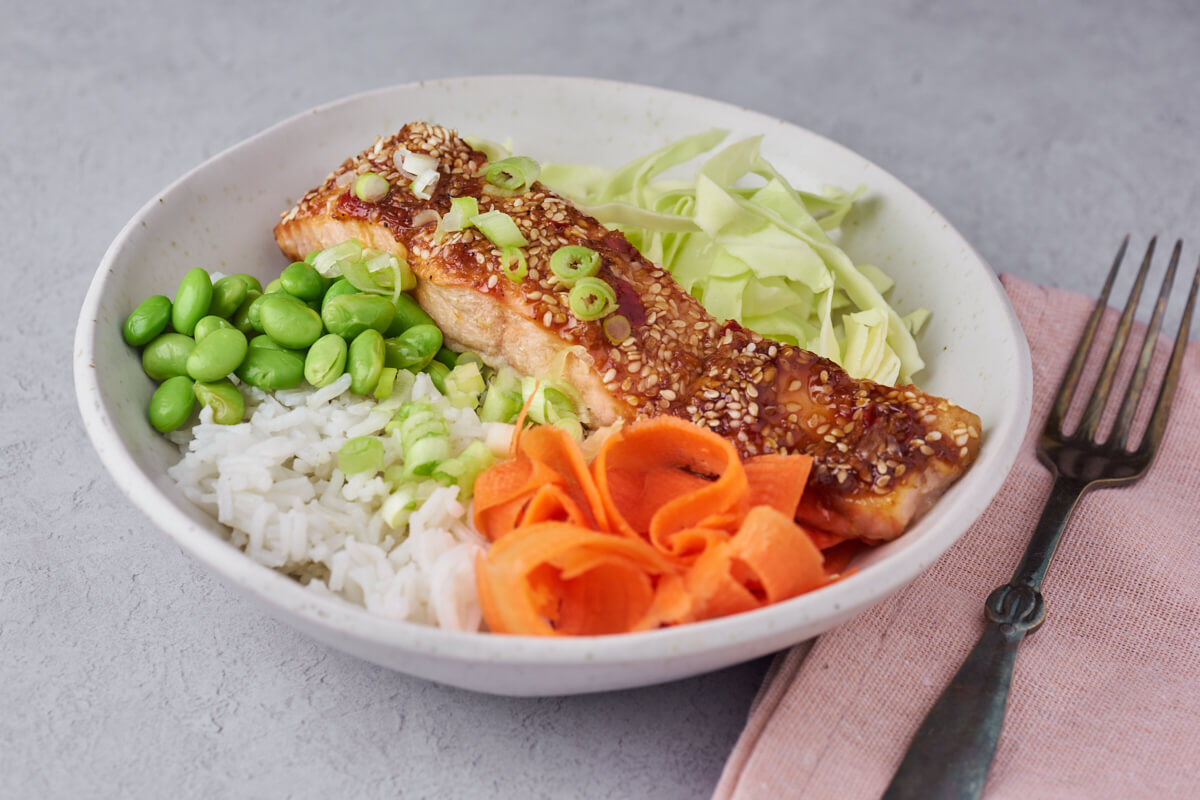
515, 174
499, 228
512, 261
591, 299
572, 262
371, 188
617, 328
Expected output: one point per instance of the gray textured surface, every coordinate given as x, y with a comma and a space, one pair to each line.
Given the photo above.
1043, 131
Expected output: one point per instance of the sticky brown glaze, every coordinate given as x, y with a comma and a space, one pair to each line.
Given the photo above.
882, 455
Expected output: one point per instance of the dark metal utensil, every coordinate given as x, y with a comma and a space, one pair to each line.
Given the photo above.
952, 751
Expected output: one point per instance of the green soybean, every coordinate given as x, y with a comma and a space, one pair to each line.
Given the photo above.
364, 361
446, 356
414, 348
241, 317
254, 312
217, 354
302, 280
148, 320
270, 369
408, 314
274, 287
348, 315
208, 324
166, 356
172, 404
192, 300
437, 372
326, 360
227, 295
251, 281
339, 287
227, 404
289, 322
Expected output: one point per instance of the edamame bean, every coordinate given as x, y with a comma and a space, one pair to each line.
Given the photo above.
289, 322
340, 287
326, 360
166, 356
364, 361
217, 354
273, 287
192, 300
227, 294
254, 312
251, 281
227, 404
414, 348
208, 324
408, 314
301, 280
348, 315
270, 369
437, 372
172, 403
148, 320
241, 317
446, 356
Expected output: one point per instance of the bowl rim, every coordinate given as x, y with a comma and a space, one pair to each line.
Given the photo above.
849, 597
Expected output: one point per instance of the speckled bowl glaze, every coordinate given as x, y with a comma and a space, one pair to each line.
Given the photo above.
220, 216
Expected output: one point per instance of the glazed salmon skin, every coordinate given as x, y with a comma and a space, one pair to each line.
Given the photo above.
882, 455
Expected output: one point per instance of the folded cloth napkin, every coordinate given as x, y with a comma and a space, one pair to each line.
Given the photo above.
1106, 698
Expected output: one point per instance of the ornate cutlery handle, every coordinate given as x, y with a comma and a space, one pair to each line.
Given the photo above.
952, 751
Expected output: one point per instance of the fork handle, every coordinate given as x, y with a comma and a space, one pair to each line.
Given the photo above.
952, 751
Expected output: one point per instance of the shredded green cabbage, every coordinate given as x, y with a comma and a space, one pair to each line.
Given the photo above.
760, 254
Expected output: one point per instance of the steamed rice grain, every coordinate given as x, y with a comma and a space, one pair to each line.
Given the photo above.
273, 480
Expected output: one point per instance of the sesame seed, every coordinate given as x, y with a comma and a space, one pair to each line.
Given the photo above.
933, 436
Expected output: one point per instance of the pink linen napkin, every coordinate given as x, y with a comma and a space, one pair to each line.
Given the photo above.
1106, 698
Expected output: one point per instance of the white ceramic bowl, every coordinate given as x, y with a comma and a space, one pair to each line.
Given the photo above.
220, 216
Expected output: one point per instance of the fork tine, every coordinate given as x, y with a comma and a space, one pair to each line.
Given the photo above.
1138, 382
1066, 389
1162, 407
1090, 420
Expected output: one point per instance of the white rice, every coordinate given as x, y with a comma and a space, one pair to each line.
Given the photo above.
273, 480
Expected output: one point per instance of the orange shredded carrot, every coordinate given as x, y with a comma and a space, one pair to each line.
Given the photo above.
667, 526
777, 481
664, 474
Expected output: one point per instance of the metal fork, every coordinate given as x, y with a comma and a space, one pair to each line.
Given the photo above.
952, 751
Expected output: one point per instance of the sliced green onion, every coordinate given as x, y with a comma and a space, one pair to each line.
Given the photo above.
547, 403
424, 437
465, 468
360, 454
422, 186
512, 261
458, 218
617, 328
499, 228
371, 188
413, 163
328, 262
464, 384
503, 400
399, 505
572, 262
591, 299
515, 174
493, 150
387, 381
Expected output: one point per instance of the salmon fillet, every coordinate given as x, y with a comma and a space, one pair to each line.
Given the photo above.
882, 455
